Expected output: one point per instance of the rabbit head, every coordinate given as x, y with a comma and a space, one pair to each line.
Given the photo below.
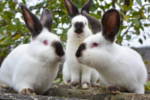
45, 46
103, 39
79, 22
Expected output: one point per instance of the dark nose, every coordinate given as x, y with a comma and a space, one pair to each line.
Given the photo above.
78, 27
80, 49
58, 48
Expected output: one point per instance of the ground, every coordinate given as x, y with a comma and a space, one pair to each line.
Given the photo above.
60, 91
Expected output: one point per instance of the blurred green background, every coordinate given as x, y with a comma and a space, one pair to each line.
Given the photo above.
13, 31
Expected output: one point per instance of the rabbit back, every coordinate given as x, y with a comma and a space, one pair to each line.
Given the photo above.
10, 62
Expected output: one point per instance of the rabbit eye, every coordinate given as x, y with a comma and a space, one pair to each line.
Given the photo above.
94, 45
45, 42
85, 23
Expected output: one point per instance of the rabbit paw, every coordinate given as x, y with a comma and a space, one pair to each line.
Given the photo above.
27, 91
74, 84
113, 89
85, 85
5, 86
67, 82
95, 85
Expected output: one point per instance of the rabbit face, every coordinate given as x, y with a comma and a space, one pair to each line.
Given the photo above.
45, 46
103, 40
95, 43
79, 23
79, 29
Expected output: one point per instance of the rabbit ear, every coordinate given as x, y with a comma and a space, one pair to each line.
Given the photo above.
32, 22
95, 25
47, 19
71, 8
110, 24
86, 6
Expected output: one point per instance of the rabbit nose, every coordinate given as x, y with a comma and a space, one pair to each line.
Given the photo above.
78, 27
80, 49
58, 48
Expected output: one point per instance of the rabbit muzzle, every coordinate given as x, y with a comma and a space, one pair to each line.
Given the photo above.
58, 48
80, 50
78, 27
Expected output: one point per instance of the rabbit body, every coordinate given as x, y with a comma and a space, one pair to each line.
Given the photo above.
33, 67
73, 70
120, 68
28, 67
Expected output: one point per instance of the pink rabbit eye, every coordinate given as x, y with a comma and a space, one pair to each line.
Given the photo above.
94, 45
45, 42
85, 23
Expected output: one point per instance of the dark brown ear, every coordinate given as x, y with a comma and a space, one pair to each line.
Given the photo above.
47, 19
71, 8
94, 23
32, 22
86, 6
110, 24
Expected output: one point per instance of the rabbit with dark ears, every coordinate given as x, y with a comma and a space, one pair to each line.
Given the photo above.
120, 68
72, 70
31, 68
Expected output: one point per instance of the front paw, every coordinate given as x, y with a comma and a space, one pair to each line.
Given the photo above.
95, 85
27, 91
113, 89
67, 82
74, 84
85, 85
5, 86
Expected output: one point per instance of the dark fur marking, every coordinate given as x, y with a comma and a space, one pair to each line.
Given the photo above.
78, 27
71, 8
32, 22
94, 23
80, 49
58, 48
113, 89
74, 84
86, 6
47, 19
111, 24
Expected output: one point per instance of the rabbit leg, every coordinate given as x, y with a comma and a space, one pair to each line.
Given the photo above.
66, 74
94, 78
27, 91
139, 89
75, 77
86, 77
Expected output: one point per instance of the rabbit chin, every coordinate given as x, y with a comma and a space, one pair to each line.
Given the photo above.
79, 35
60, 59
83, 61
79, 60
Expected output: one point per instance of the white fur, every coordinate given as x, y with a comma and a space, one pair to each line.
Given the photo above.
73, 70
117, 65
32, 65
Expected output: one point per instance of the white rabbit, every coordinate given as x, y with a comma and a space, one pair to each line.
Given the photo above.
120, 68
31, 68
72, 70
